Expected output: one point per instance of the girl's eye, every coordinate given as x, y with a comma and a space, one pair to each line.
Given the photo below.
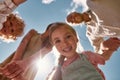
57, 41
68, 36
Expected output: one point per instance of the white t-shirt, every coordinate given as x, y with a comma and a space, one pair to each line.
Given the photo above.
6, 7
107, 10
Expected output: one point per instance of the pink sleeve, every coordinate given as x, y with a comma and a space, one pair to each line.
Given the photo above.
94, 58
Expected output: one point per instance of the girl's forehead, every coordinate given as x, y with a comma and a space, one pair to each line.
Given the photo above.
63, 27
62, 30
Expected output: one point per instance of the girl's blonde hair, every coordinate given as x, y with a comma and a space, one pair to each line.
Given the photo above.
52, 27
56, 25
18, 32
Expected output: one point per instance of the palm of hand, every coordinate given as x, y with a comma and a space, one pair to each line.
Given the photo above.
111, 44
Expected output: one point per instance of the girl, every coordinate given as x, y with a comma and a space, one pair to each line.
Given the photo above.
73, 65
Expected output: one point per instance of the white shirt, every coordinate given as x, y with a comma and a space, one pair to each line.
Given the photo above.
107, 10
6, 7
96, 31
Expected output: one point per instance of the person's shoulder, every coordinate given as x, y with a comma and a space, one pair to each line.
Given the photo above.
87, 52
90, 54
10, 4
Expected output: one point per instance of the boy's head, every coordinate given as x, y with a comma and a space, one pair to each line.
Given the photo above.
74, 18
13, 27
77, 18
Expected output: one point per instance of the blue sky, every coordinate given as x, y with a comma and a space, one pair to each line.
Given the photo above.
37, 14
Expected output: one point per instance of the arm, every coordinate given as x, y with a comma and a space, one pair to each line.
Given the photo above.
20, 50
93, 32
22, 47
94, 58
19, 66
15, 69
95, 41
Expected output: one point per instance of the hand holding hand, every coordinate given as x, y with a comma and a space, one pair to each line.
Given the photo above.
13, 70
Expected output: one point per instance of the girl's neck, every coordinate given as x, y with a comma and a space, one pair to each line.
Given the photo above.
70, 60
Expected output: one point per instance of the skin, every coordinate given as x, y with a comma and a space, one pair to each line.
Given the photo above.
18, 2
17, 66
10, 27
108, 48
65, 42
77, 18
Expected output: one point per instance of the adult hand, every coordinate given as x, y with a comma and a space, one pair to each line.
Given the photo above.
13, 70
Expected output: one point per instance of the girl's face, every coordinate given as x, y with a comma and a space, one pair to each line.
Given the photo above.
64, 41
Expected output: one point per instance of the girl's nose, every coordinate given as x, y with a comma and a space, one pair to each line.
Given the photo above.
65, 43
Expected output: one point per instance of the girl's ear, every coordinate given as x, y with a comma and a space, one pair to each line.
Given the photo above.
77, 39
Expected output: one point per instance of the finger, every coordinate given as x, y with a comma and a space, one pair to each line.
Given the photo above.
15, 74
19, 77
8, 68
1, 71
17, 69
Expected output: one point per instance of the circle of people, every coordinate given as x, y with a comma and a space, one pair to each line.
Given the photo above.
72, 64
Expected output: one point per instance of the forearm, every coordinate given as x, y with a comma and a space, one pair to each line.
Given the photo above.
96, 44
22, 47
37, 56
95, 41
32, 60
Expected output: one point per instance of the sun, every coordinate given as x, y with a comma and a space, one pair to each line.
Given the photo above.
45, 65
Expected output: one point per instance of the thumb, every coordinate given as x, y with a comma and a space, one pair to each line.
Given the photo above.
0, 70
